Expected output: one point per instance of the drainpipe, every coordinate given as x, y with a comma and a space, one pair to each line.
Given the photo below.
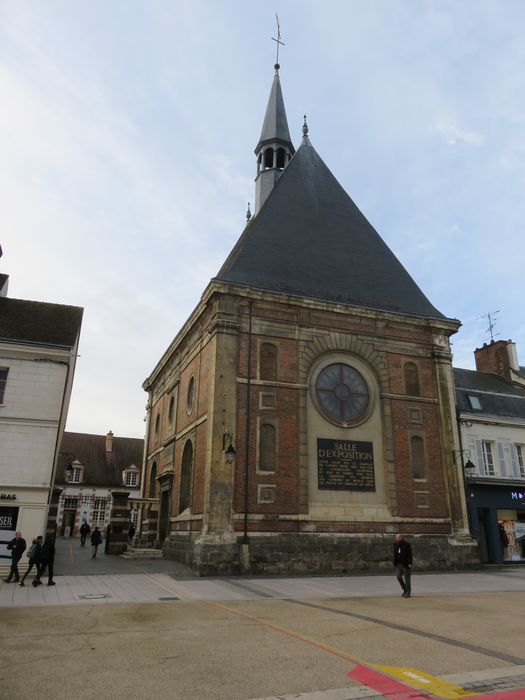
245, 539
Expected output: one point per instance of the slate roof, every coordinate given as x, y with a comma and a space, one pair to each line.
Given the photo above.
39, 322
309, 239
275, 125
101, 468
496, 395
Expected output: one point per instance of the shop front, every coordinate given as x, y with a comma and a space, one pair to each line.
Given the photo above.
497, 520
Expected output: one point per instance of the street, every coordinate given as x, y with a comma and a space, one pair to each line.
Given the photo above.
153, 629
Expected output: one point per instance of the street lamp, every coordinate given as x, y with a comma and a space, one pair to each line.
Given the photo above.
229, 452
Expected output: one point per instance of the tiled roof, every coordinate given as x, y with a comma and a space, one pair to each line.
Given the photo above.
309, 239
39, 322
496, 395
101, 468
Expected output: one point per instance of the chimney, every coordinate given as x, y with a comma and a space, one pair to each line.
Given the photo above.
498, 357
109, 442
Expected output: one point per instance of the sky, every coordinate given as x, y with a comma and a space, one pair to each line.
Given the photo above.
127, 132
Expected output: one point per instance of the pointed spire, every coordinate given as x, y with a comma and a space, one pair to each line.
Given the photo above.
305, 131
275, 125
275, 147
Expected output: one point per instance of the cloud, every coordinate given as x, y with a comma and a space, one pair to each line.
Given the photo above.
453, 134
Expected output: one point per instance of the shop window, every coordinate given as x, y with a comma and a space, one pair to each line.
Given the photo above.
267, 447
417, 457
185, 477
3, 381
268, 362
411, 379
488, 458
153, 480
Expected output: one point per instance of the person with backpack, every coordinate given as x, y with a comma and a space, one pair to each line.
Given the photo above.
96, 539
35, 556
48, 558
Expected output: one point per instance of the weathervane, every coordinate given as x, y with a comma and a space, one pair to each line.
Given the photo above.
278, 40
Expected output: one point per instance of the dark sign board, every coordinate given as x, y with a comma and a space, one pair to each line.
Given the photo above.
8, 521
8, 518
345, 466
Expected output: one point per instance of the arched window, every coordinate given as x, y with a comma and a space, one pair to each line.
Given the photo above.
268, 362
417, 457
153, 480
268, 158
267, 447
411, 379
171, 410
280, 158
191, 394
185, 477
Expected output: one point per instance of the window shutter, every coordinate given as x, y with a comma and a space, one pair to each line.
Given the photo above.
514, 460
501, 458
479, 456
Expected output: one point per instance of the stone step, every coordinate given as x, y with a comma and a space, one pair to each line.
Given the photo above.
142, 553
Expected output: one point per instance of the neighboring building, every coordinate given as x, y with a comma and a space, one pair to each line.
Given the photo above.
491, 412
91, 470
314, 355
38, 350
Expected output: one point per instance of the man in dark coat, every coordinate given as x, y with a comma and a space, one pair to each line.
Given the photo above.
17, 547
403, 563
84, 532
48, 559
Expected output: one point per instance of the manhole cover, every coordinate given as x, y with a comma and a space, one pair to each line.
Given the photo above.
169, 598
94, 596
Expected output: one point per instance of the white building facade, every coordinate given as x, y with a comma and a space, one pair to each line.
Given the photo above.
38, 350
491, 414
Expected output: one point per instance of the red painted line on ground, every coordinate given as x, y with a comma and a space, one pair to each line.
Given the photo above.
388, 687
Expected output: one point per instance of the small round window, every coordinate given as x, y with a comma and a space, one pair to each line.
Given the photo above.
191, 394
341, 393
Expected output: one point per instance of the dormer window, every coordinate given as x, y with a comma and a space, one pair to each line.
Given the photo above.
474, 402
131, 477
74, 473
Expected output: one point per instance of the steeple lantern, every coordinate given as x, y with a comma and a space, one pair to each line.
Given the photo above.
275, 148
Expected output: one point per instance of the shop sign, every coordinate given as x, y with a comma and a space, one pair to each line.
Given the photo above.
8, 521
7, 496
517, 495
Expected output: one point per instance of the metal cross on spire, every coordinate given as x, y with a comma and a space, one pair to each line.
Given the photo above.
278, 41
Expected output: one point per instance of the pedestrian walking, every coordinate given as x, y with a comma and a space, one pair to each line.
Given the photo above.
131, 533
35, 557
47, 561
84, 532
96, 539
17, 547
403, 563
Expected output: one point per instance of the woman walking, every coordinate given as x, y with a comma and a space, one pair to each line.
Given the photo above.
35, 556
96, 539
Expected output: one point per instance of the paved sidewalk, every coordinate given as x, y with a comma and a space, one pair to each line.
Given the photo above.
154, 586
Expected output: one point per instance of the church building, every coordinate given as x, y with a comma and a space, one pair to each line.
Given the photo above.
304, 413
